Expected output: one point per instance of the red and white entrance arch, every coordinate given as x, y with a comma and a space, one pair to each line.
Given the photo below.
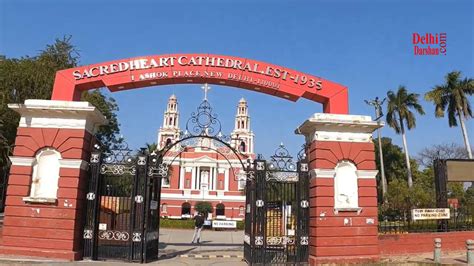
59, 133
138, 72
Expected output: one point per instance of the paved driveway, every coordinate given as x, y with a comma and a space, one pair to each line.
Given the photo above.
216, 248
178, 242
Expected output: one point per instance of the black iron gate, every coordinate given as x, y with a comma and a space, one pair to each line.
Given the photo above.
277, 210
122, 214
4, 173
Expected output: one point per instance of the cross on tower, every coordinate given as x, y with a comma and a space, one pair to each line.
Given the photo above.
206, 88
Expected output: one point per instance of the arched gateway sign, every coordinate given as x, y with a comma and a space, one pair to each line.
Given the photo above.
244, 73
340, 161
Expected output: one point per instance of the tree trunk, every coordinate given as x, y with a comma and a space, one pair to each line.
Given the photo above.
407, 156
464, 133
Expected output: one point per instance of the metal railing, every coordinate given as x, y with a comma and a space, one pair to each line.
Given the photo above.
461, 219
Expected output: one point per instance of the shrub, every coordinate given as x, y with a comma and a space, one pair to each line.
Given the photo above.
188, 224
203, 207
177, 224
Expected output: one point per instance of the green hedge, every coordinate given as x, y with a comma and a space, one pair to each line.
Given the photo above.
172, 223
187, 224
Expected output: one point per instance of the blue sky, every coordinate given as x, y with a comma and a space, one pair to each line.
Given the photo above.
365, 45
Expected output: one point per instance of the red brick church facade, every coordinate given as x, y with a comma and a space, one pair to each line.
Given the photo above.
205, 171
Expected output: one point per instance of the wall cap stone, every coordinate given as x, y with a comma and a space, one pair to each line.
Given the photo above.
336, 127
339, 123
59, 114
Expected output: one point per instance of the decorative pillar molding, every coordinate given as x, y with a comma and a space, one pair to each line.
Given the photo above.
181, 177
193, 178
49, 226
343, 188
226, 179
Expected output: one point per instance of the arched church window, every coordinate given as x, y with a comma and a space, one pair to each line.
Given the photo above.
186, 209
345, 186
45, 176
220, 209
168, 141
242, 146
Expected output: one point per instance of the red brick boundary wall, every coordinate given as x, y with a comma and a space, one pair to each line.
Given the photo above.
339, 235
422, 242
49, 229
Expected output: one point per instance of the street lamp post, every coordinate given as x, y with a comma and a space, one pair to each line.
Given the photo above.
377, 104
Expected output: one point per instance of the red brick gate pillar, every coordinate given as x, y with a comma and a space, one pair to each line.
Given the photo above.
48, 178
343, 189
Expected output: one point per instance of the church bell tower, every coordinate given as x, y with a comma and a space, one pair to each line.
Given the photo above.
242, 136
169, 132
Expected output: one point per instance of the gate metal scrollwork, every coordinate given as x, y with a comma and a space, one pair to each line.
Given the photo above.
137, 237
277, 214
87, 234
160, 170
127, 188
114, 235
204, 121
118, 205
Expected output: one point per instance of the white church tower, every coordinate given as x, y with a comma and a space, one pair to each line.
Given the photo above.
242, 136
169, 133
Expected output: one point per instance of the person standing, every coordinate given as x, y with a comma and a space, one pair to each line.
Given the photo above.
198, 224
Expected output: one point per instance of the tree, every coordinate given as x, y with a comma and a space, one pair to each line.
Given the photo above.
441, 151
469, 198
33, 78
4, 166
108, 134
399, 115
204, 207
452, 96
151, 147
4, 152
393, 158
444, 151
401, 198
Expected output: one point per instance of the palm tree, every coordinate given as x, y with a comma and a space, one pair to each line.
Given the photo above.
151, 147
399, 115
452, 95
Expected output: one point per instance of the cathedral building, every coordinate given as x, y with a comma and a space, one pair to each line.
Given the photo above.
204, 169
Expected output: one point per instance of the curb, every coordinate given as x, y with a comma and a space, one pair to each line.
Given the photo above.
210, 256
